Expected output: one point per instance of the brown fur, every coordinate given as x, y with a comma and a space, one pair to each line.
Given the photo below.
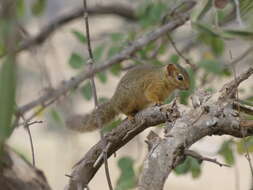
139, 87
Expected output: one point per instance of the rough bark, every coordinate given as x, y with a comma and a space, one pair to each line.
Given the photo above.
18, 174
207, 117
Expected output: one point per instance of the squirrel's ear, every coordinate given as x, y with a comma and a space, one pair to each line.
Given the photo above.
170, 69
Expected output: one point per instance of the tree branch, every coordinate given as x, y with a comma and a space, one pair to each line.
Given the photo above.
165, 154
218, 118
121, 56
116, 8
201, 158
84, 170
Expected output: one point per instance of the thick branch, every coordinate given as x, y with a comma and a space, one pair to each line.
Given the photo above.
85, 170
210, 118
121, 56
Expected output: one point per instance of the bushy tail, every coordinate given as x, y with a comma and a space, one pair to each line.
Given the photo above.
89, 122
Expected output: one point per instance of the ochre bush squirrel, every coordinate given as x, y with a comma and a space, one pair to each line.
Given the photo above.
139, 87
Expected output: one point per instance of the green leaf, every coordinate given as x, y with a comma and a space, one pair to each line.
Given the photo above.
113, 50
190, 165
102, 77
76, 61
217, 45
151, 13
247, 35
208, 5
127, 177
79, 36
183, 168
116, 69
245, 145
226, 152
87, 91
111, 125
102, 100
195, 167
38, 7
174, 58
117, 37
56, 116
204, 28
98, 52
211, 65
211, 38
7, 97
20, 8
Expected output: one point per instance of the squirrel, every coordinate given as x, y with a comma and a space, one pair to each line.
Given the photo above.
140, 87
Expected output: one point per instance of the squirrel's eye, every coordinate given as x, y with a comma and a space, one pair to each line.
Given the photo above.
180, 77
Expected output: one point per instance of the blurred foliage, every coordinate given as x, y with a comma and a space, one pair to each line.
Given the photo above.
7, 97
8, 37
127, 178
211, 38
76, 61
190, 165
38, 7
226, 151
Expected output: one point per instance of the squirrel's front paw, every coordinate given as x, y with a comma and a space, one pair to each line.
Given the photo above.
130, 118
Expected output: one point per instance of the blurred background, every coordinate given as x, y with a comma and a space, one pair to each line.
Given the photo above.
217, 39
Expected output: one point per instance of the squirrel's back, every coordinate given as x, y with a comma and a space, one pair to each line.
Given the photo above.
138, 88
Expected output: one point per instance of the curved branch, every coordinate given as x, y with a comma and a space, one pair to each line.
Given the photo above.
210, 118
118, 9
190, 126
121, 56
86, 168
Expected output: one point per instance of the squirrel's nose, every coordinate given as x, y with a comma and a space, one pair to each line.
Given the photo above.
186, 87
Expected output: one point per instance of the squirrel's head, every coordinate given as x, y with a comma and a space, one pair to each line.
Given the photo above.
178, 76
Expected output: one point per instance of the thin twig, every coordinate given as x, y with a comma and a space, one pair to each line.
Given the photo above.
187, 61
44, 106
247, 156
202, 158
241, 57
91, 62
27, 127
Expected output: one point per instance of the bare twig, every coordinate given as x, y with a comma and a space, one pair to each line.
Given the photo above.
91, 62
229, 89
242, 107
27, 127
43, 106
187, 61
241, 57
202, 158
247, 156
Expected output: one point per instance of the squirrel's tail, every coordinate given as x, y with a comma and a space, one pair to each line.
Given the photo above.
89, 122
